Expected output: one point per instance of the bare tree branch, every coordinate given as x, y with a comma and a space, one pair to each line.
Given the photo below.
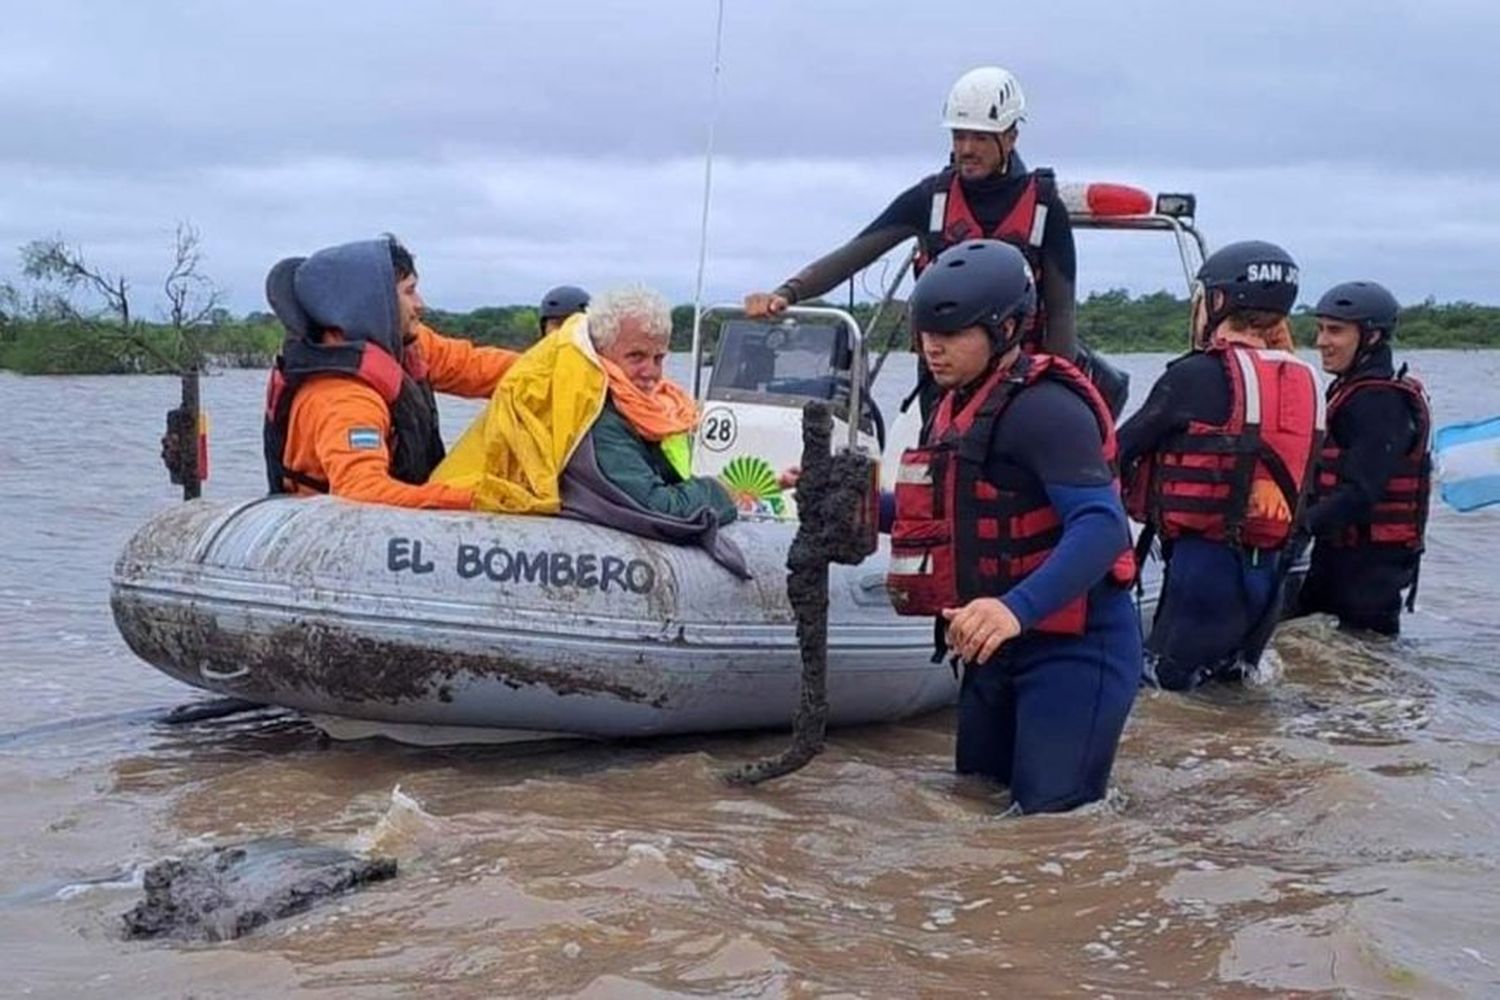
192, 299
53, 259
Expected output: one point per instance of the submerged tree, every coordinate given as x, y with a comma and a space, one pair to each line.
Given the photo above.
109, 323
106, 315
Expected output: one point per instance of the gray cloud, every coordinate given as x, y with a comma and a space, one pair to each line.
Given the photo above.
516, 146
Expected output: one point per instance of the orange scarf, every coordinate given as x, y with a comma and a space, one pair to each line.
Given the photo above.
666, 411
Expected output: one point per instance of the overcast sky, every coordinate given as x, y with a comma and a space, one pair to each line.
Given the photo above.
515, 146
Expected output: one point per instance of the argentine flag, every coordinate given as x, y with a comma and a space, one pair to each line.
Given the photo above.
1468, 457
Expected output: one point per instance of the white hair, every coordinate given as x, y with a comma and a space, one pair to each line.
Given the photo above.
645, 305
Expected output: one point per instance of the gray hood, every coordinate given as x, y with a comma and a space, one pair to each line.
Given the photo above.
352, 288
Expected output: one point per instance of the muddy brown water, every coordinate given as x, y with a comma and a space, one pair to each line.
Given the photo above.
1333, 833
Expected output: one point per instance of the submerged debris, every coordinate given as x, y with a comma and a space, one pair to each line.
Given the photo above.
833, 495
222, 893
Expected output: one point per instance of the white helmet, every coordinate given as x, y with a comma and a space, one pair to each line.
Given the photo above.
987, 99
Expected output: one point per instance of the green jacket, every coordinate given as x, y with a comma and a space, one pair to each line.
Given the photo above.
638, 467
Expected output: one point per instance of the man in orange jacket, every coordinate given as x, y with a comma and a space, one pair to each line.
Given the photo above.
350, 407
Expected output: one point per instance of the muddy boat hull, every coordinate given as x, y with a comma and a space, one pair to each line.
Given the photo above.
456, 626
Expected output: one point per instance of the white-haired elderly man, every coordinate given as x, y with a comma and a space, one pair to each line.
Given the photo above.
640, 442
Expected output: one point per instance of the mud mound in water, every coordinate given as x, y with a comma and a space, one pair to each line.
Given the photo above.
225, 892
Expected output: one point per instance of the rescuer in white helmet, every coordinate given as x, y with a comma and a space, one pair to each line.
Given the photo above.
985, 192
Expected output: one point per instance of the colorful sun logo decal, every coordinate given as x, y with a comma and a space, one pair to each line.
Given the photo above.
752, 483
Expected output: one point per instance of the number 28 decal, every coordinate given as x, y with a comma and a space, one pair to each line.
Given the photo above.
719, 429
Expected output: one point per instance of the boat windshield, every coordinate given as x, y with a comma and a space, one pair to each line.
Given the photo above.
790, 360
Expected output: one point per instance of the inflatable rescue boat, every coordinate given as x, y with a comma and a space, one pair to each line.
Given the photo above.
457, 627
451, 627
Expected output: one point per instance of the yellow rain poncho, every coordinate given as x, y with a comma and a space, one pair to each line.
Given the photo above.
513, 454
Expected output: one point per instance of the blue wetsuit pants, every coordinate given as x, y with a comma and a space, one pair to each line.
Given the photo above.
1045, 714
1212, 598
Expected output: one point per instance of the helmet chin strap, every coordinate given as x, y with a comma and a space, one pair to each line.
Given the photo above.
1212, 323
996, 331
1004, 167
1200, 338
1367, 344
1000, 342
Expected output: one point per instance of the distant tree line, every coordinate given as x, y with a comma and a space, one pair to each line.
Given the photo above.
74, 319
1115, 322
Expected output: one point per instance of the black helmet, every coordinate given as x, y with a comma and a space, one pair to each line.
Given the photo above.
974, 283
1362, 302
1251, 274
563, 301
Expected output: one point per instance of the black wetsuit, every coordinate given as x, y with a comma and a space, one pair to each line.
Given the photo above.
1361, 584
1192, 388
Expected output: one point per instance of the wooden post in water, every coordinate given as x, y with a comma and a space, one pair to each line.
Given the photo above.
179, 446
192, 475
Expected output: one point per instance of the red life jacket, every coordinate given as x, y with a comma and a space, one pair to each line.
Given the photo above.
1399, 516
952, 221
1201, 481
957, 535
418, 445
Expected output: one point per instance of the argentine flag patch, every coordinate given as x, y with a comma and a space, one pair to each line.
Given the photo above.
364, 438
